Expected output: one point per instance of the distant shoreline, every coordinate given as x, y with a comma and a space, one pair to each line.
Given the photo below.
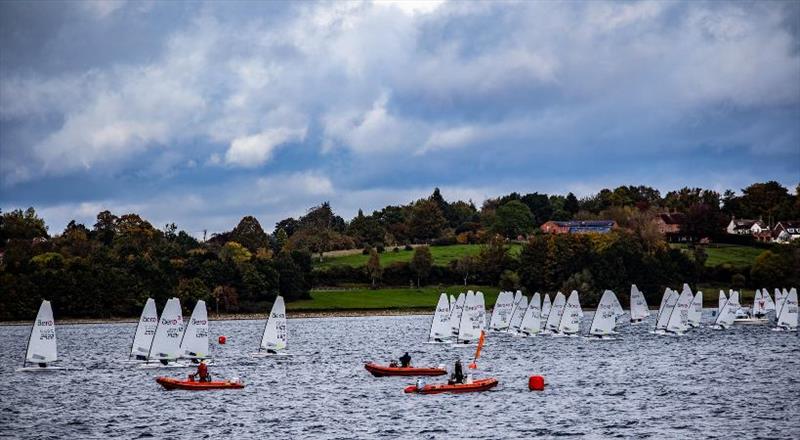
300, 314
352, 313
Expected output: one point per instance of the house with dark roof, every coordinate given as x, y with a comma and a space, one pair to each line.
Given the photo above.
786, 231
739, 226
672, 225
578, 227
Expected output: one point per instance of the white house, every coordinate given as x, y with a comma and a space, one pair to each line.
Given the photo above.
787, 231
740, 226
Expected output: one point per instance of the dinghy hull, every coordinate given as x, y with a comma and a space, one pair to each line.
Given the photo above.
382, 371
170, 383
476, 386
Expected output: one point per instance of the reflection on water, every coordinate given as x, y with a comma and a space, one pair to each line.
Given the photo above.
740, 383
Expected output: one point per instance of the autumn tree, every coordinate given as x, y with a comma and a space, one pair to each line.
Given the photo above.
373, 268
421, 262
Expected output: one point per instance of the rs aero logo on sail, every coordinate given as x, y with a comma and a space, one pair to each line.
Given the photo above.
165, 321
41, 323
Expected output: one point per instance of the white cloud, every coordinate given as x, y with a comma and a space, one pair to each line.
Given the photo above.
252, 151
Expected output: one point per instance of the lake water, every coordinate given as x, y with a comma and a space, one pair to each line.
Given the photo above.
740, 383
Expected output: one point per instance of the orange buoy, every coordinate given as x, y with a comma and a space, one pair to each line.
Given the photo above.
222, 340
536, 383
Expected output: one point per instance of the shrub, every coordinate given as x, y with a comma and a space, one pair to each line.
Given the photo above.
737, 281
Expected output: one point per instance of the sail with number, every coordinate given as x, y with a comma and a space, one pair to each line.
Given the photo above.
42, 347
696, 311
728, 311
758, 305
557, 309
275, 335
145, 330
668, 302
167, 338
455, 314
469, 329
481, 309
769, 305
546, 305
501, 314
440, 327
605, 317
571, 318
678, 321
519, 312
721, 302
194, 344
531, 320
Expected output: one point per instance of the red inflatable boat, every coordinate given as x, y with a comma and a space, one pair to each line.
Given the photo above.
381, 371
477, 385
171, 383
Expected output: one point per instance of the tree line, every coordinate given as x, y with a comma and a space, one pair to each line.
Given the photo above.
109, 268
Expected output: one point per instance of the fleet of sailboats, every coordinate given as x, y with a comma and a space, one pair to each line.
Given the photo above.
163, 341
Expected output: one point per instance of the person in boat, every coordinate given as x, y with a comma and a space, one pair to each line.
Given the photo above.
458, 373
202, 372
405, 360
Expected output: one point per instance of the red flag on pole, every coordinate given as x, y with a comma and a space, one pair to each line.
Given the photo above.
473, 365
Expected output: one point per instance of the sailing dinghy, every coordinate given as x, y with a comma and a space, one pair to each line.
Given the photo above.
570, 323
42, 349
668, 301
546, 305
275, 338
639, 309
501, 314
605, 318
481, 309
516, 316
455, 314
468, 327
755, 315
554, 317
727, 313
678, 321
440, 326
787, 317
165, 347
145, 329
696, 311
531, 323
194, 344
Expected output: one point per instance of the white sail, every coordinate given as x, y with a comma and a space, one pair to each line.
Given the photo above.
452, 303
194, 344
696, 311
275, 335
145, 330
167, 339
546, 304
501, 314
517, 297
605, 317
669, 301
679, 318
788, 316
557, 309
571, 318
769, 305
42, 342
618, 310
519, 313
481, 309
455, 314
728, 311
639, 309
758, 304
531, 320
779, 296
721, 302
468, 329
440, 326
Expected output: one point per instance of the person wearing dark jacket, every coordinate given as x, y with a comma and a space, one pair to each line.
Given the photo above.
405, 360
458, 373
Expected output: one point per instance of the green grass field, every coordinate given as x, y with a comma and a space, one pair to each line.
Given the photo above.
723, 253
442, 255
389, 298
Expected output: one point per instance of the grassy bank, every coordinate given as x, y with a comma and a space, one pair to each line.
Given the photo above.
735, 255
389, 298
442, 255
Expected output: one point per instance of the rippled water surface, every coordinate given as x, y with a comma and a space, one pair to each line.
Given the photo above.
741, 383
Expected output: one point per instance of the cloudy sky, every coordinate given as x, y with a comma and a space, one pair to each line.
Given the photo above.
200, 113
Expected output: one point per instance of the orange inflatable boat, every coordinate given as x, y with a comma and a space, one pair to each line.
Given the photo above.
477, 385
382, 370
171, 383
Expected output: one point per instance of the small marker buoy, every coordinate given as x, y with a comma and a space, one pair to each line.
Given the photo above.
222, 340
536, 383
